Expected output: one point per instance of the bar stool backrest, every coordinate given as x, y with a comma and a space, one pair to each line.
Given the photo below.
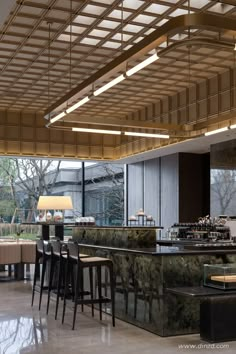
73, 250
40, 246
43, 247
56, 247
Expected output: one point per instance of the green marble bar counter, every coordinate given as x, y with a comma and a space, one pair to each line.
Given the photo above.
129, 237
144, 274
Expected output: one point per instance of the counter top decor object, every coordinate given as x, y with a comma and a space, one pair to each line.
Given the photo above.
220, 276
85, 221
141, 219
140, 212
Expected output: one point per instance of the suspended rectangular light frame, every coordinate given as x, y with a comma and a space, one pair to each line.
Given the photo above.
147, 135
107, 86
97, 131
216, 131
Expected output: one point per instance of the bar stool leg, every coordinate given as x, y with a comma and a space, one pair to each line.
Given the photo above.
42, 282
50, 282
99, 290
36, 271
81, 284
59, 281
78, 277
65, 289
91, 287
112, 288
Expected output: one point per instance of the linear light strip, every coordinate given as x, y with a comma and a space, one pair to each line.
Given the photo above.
110, 84
78, 104
142, 65
98, 131
216, 131
56, 118
233, 126
147, 135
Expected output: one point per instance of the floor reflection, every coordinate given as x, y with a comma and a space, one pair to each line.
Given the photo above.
23, 332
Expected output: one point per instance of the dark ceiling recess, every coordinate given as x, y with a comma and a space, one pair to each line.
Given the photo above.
227, 2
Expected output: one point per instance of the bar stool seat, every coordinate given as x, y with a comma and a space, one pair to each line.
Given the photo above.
80, 264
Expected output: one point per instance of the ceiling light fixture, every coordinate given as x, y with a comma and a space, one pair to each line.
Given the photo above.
110, 84
78, 104
56, 118
99, 131
148, 135
142, 65
233, 126
216, 131
107, 86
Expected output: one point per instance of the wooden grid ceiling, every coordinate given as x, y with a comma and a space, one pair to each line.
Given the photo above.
40, 65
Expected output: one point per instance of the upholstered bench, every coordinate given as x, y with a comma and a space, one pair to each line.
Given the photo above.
17, 253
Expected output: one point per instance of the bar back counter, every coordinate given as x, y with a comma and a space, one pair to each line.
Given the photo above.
144, 271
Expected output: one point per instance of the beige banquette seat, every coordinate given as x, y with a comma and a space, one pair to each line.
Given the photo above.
17, 252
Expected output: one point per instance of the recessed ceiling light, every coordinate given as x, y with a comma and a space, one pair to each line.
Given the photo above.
150, 31
179, 12
90, 41
133, 28
162, 22
157, 9
110, 44
144, 19
138, 39
92, 9
99, 33
66, 38
108, 24
84, 20
120, 37
75, 29
132, 4
120, 14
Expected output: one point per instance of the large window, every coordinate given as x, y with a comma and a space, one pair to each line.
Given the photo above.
104, 193
96, 189
223, 192
223, 178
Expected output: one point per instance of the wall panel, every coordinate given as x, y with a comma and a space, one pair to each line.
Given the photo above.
151, 188
135, 187
169, 190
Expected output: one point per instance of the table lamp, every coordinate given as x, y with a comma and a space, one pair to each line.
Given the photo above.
57, 203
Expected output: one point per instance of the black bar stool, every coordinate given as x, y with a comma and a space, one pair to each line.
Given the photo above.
57, 270
59, 255
80, 264
43, 255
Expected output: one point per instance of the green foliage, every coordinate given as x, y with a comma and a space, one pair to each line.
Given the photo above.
8, 171
7, 208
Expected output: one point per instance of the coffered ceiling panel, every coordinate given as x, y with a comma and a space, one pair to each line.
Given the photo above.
49, 47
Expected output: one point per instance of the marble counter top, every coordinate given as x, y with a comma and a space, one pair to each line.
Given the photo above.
163, 250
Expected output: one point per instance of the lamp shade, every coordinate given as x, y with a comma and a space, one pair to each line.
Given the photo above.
54, 202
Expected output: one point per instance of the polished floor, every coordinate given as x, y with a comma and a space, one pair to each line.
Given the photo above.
26, 330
